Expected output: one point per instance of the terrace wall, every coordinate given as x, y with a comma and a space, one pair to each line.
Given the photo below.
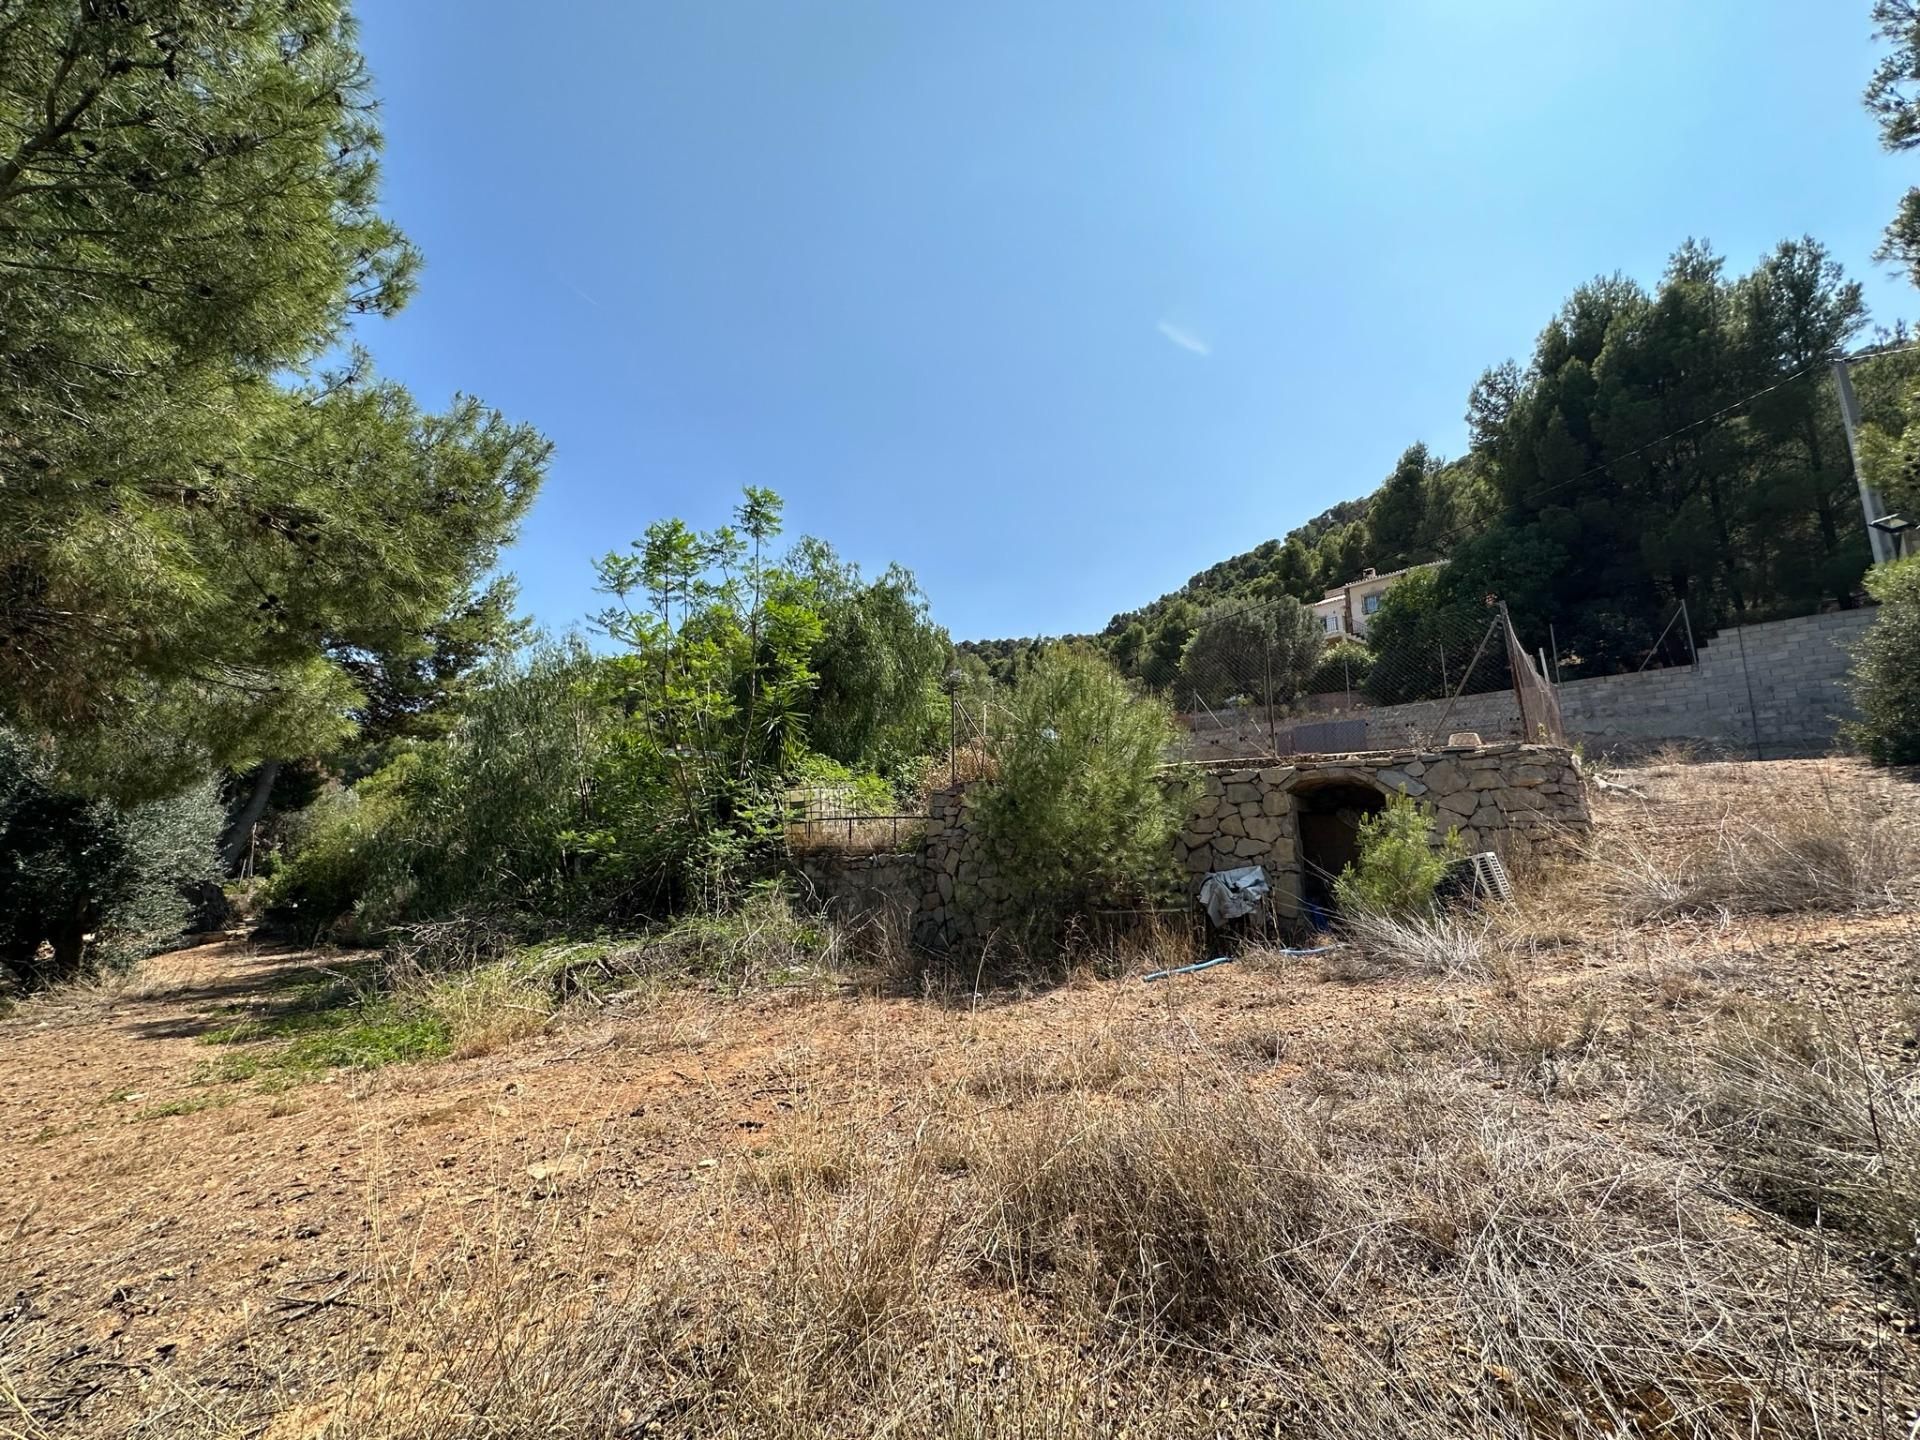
1510, 798
1797, 671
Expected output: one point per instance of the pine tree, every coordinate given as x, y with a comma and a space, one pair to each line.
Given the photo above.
205, 539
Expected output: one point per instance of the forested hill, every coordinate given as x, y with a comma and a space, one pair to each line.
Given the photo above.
1665, 443
1237, 575
1407, 520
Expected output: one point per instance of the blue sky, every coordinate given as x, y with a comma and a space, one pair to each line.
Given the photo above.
1059, 303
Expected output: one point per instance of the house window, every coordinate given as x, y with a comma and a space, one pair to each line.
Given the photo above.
1330, 623
1370, 604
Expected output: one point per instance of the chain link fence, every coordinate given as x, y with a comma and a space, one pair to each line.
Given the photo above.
1257, 681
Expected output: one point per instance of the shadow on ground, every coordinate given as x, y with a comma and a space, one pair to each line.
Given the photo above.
264, 987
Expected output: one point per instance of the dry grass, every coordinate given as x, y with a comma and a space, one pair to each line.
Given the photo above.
856, 835
1105, 1058
821, 1159
1554, 1046
86, 999
1593, 1186
1177, 1214
1819, 855
1397, 1251
486, 1009
1446, 944
1812, 1127
1428, 1263
877, 942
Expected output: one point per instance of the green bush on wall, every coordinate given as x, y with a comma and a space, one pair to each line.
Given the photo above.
1886, 668
1343, 665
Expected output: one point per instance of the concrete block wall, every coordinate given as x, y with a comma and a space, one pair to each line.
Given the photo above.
1797, 670
1494, 716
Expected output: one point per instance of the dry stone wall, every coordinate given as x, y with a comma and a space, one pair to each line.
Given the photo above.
1510, 798
851, 885
964, 897
1506, 798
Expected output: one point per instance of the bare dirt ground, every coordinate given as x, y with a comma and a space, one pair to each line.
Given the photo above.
178, 1249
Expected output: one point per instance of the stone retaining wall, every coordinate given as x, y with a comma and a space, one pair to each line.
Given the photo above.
964, 896
1508, 798
851, 885
1505, 798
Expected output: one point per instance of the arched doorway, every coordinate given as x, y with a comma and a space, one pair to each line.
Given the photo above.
1329, 817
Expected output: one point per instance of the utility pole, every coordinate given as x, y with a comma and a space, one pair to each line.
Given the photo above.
1872, 506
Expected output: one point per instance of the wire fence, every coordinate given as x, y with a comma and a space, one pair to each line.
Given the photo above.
1267, 685
1248, 684
1264, 681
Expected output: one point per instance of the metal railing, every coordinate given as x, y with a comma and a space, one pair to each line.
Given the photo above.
854, 834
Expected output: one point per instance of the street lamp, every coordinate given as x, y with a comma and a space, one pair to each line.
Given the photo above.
1897, 528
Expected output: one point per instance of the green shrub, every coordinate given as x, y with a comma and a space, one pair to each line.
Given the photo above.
1081, 810
549, 804
331, 852
1343, 665
1886, 669
498, 818
93, 882
1264, 652
866, 792
1399, 867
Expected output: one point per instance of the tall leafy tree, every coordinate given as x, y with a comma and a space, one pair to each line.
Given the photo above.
715, 680
1665, 444
877, 702
1790, 314
1397, 518
1636, 443
1264, 651
205, 539
1893, 98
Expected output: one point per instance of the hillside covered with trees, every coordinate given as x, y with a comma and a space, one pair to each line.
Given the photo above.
251, 610
1665, 442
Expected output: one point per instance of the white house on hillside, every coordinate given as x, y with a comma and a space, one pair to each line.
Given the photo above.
1347, 609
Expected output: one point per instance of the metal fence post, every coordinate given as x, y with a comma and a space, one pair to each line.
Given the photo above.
1266, 696
1440, 729
1753, 710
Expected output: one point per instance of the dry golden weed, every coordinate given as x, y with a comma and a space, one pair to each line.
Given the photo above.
1596, 1184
